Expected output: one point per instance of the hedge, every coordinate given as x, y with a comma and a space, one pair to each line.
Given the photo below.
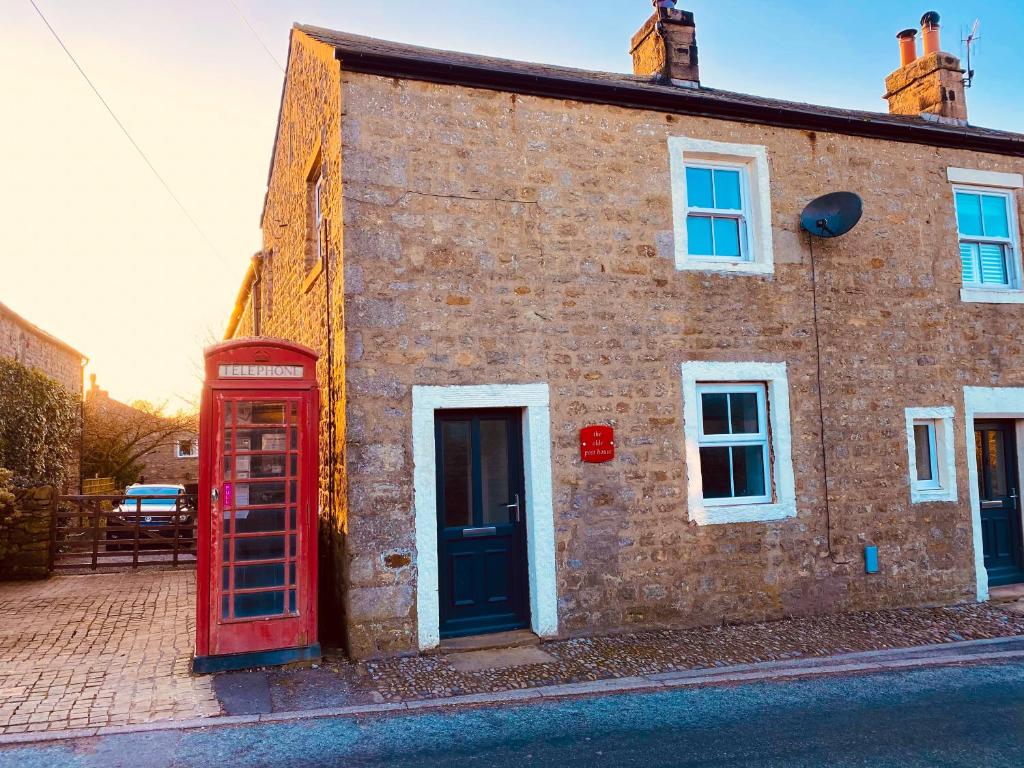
38, 426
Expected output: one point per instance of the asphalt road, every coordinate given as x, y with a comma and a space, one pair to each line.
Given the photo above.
956, 716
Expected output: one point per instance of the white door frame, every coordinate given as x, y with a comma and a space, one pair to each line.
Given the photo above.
988, 403
540, 521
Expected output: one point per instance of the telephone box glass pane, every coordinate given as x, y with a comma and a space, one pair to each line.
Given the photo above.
494, 468
260, 548
259, 494
272, 465
259, 604
255, 576
259, 520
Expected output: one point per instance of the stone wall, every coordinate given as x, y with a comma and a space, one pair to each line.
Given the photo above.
25, 534
34, 349
293, 296
496, 238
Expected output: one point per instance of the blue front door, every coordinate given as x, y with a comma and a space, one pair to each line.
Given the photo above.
1001, 532
481, 506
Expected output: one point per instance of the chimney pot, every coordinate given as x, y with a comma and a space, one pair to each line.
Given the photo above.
930, 31
908, 46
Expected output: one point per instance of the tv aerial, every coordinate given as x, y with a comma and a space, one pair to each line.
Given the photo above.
969, 42
832, 215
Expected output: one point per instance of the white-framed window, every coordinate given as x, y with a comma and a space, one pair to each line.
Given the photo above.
721, 206
734, 451
737, 432
186, 448
988, 231
930, 453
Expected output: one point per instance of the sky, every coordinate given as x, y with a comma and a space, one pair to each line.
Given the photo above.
97, 252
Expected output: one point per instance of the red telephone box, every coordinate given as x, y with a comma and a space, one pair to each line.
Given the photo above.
257, 528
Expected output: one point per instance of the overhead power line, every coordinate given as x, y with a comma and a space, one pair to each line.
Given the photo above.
256, 34
128, 135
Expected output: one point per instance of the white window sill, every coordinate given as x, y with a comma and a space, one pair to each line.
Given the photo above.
992, 295
742, 513
729, 267
925, 495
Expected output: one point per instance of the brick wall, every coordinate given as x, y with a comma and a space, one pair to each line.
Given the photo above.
496, 238
163, 465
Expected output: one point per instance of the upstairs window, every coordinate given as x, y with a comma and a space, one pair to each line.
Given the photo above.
716, 220
988, 248
187, 448
721, 206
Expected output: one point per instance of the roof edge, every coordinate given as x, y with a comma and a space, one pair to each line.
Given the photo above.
652, 96
33, 328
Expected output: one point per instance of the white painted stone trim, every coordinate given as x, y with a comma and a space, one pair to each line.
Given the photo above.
540, 520
985, 178
946, 460
774, 376
992, 296
982, 403
755, 158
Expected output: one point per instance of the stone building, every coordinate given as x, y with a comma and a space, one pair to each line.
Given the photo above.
174, 453
34, 348
492, 255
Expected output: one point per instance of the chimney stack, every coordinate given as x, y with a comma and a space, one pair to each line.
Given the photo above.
666, 46
930, 86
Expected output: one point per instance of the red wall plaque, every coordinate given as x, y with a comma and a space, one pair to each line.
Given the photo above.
597, 444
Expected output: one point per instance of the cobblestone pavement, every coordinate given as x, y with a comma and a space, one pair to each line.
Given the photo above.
644, 653
110, 649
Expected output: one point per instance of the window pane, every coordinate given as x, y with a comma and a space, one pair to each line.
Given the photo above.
715, 412
698, 188
727, 190
968, 258
714, 471
923, 451
698, 236
255, 576
457, 473
494, 475
748, 470
261, 548
259, 604
996, 222
968, 213
727, 238
258, 520
745, 419
996, 464
992, 259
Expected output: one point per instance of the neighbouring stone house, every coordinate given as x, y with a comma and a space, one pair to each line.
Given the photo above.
491, 256
175, 455
34, 348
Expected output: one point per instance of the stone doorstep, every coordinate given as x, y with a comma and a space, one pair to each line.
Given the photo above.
514, 639
945, 654
1008, 594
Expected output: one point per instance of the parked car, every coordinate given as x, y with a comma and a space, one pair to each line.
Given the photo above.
159, 507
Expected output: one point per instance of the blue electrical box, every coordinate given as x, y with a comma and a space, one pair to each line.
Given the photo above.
871, 559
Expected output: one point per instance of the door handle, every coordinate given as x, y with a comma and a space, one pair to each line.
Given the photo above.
515, 506
1013, 497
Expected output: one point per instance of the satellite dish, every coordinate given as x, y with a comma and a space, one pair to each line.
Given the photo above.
832, 215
